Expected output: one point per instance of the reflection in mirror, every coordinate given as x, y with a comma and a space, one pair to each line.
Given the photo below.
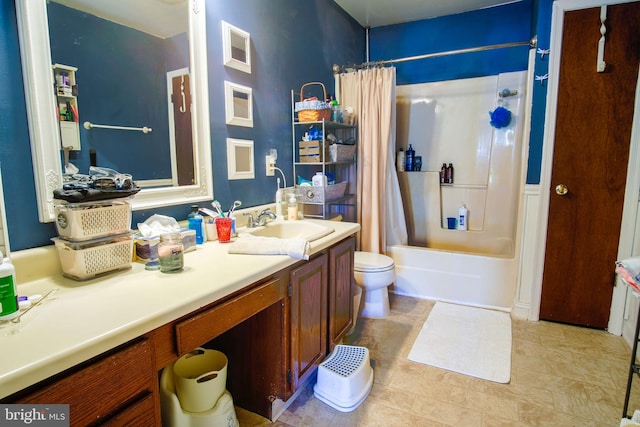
236, 48
238, 104
186, 78
240, 163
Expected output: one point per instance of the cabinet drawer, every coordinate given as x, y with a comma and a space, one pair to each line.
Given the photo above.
141, 413
102, 387
205, 326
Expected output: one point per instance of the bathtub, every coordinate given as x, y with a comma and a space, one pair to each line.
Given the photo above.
463, 278
448, 122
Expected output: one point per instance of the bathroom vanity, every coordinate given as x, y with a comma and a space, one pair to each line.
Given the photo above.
100, 345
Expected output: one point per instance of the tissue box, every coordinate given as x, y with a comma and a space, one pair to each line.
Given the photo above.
146, 248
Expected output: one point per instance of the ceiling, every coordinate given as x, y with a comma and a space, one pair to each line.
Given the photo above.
161, 18
377, 13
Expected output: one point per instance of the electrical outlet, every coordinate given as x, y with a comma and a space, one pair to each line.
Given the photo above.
270, 165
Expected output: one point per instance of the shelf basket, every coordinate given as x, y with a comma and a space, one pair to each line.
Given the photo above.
313, 109
321, 194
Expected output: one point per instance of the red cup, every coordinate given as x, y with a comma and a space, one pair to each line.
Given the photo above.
223, 227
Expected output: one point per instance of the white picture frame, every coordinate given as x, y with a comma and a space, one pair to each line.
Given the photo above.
238, 104
236, 48
240, 159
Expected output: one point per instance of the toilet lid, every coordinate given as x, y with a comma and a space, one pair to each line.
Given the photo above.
369, 261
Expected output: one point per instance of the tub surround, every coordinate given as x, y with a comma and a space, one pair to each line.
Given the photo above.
85, 319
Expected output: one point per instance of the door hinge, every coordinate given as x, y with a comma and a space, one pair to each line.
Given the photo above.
289, 376
290, 290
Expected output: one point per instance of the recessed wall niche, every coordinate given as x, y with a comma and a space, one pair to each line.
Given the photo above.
236, 47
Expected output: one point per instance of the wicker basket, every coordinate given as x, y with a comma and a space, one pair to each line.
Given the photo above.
313, 111
84, 260
321, 194
90, 220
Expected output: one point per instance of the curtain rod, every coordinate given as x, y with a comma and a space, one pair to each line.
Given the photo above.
341, 68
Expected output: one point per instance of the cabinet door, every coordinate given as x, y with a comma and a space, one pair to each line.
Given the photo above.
340, 297
118, 384
308, 318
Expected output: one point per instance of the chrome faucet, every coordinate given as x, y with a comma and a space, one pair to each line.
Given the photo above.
263, 216
260, 219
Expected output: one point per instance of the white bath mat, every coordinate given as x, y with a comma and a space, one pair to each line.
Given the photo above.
471, 341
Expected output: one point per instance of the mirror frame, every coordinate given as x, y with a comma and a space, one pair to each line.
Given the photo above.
228, 31
35, 53
230, 104
234, 147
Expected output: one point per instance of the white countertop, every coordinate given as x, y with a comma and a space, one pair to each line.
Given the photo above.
84, 319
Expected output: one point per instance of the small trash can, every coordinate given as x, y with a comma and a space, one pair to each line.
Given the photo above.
200, 378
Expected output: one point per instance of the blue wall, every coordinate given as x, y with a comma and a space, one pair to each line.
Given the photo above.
293, 43
514, 22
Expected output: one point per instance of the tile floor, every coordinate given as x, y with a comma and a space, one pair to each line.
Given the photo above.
560, 376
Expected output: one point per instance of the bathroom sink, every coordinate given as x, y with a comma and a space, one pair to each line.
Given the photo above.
289, 229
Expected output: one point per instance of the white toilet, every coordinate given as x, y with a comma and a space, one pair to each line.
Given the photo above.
374, 273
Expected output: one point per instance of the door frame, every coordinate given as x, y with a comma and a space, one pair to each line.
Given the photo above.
630, 208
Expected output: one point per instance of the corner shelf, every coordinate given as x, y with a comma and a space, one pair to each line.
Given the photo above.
65, 90
343, 171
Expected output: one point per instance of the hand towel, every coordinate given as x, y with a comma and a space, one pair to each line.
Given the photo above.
629, 270
296, 248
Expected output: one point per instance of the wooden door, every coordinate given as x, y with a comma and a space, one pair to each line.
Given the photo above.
181, 99
341, 313
308, 285
591, 149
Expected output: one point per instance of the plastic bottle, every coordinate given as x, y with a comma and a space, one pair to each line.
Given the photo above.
410, 154
279, 200
400, 161
443, 174
196, 223
292, 207
463, 216
450, 174
319, 180
9, 308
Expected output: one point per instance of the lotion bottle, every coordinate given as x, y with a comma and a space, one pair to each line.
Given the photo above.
292, 207
9, 308
279, 201
463, 216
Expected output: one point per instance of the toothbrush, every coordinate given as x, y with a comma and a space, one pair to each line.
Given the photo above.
236, 204
216, 205
209, 212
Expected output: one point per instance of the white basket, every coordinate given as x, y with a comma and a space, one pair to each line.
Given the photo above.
345, 378
320, 194
85, 221
88, 259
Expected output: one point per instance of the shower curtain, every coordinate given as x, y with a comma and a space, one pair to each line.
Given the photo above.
372, 95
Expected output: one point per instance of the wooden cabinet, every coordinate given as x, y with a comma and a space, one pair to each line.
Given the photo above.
275, 333
308, 305
121, 385
341, 315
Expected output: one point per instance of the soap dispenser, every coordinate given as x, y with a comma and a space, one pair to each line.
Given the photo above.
292, 207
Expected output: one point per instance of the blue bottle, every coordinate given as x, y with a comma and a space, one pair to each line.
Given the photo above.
196, 223
409, 156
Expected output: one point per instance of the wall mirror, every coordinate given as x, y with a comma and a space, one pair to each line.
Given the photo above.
238, 104
236, 48
36, 55
240, 164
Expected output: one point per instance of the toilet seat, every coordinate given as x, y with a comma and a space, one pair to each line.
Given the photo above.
369, 262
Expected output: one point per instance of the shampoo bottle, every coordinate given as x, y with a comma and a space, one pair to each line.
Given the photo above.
400, 161
409, 155
8, 290
292, 207
279, 200
463, 217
